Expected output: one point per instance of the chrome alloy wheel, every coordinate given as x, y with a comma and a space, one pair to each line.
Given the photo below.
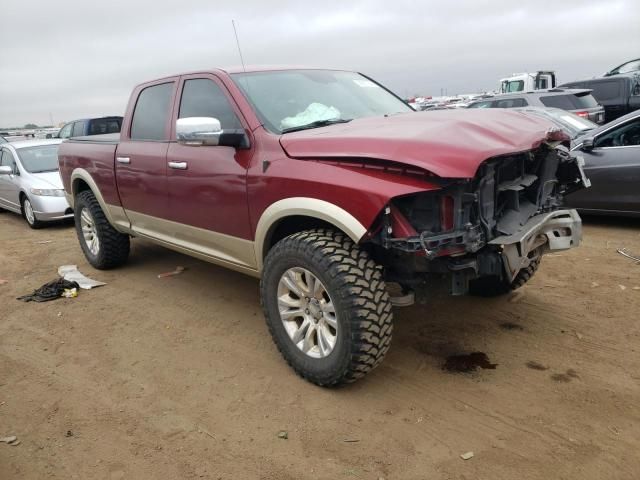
89, 231
307, 312
28, 212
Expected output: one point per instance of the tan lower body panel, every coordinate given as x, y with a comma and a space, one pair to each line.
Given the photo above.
231, 252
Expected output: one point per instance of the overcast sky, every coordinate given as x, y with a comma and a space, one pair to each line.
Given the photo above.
69, 59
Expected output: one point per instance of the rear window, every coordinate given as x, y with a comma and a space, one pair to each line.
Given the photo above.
569, 101
100, 126
606, 90
481, 105
152, 112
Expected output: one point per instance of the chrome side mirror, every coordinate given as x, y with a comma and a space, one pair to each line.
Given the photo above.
587, 144
6, 170
198, 131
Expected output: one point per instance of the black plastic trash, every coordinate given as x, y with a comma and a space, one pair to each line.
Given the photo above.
49, 291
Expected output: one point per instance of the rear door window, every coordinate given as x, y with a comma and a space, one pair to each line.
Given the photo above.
481, 105
152, 112
511, 103
202, 97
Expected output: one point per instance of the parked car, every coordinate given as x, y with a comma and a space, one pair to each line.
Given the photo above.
627, 67
325, 185
619, 94
578, 101
89, 126
612, 163
30, 182
571, 123
2, 139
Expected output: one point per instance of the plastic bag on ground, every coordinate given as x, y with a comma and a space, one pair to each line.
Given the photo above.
71, 273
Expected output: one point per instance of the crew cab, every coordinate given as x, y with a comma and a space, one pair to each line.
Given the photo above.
326, 186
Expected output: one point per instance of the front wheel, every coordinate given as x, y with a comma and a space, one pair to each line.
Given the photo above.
29, 215
326, 306
102, 244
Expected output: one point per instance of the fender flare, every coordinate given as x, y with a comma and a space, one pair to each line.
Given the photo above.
308, 207
115, 213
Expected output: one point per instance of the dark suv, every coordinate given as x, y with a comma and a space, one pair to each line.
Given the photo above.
578, 101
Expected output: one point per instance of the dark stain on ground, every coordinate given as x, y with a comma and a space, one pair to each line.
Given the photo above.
511, 326
565, 377
468, 362
536, 366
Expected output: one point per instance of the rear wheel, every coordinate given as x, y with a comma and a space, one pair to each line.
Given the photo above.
494, 286
326, 307
29, 215
102, 244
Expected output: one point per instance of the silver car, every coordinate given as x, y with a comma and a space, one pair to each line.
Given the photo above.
30, 182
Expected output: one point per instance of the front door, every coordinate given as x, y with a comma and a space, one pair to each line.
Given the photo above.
9, 190
613, 166
207, 184
141, 158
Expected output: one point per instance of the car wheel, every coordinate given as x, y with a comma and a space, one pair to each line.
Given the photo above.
103, 245
326, 306
29, 215
494, 286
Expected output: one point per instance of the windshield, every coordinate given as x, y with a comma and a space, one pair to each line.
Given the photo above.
39, 159
289, 99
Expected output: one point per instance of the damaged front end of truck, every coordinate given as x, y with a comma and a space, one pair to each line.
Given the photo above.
485, 229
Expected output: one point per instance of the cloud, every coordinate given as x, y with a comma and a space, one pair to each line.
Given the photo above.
74, 58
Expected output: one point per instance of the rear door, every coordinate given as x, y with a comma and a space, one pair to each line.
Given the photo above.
141, 157
207, 184
613, 166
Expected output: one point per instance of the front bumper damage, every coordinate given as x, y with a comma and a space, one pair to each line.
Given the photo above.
559, 230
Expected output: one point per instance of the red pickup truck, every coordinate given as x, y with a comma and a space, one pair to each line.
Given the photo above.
326, 186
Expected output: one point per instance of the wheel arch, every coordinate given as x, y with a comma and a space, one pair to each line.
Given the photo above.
295, 214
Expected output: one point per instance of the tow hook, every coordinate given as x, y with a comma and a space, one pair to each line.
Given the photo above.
430, 254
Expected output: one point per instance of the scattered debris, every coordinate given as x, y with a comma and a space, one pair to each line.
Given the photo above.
3, 281
71, 273
69, 433
636, 288
614, 430
511, 326
49, 291
468, 363
177, 271
44, 242
466, 456
579, 336
594, 284
15, 443
622, 287
283, 434
70, 293
351, 440
9, 439
624, 253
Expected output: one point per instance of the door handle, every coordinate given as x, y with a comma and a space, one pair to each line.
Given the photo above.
178, 165
124, 160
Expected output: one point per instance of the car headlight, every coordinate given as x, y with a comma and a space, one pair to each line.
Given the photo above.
48, 192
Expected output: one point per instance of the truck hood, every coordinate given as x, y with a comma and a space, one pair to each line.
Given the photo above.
447, 143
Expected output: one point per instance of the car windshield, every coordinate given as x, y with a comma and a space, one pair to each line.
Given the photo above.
39, 159
291, 100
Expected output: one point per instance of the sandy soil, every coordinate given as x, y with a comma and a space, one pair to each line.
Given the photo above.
177, 378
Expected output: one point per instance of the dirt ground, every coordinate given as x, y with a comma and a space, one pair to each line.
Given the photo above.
177, 378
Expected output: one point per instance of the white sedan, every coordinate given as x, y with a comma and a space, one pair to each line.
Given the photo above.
30, 182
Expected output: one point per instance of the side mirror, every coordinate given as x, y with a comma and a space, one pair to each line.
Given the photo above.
587, 144
6, 170
199, 131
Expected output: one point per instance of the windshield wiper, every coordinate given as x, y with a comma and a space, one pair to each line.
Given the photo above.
316, 124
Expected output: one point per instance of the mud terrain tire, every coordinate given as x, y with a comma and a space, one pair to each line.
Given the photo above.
353, 284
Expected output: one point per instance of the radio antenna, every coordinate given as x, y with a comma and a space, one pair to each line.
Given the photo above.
238, 43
